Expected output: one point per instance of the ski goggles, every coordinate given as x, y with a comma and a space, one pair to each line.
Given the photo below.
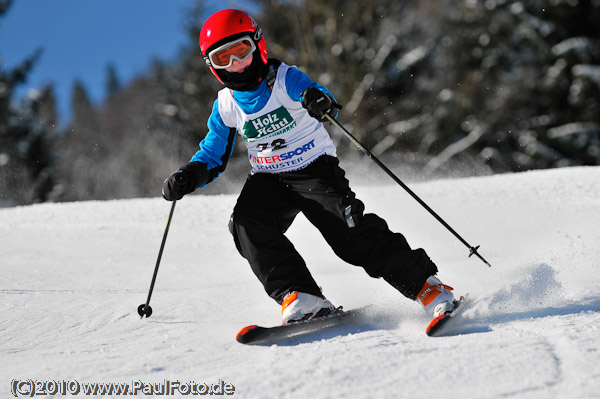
222, 57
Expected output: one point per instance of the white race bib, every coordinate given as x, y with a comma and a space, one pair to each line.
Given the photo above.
282, 136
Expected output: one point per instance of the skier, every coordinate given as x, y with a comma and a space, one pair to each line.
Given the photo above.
278, 112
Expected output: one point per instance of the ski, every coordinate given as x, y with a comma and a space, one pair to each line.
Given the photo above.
438, 325
254, 334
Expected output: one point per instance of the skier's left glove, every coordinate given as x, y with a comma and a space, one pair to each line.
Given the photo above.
318, 103
184, 181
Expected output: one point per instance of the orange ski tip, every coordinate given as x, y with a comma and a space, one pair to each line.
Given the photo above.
434, 322
244, 330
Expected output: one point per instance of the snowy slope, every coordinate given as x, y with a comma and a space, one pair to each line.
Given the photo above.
72, 276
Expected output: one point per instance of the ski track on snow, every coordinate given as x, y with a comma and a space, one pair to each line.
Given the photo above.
72, 276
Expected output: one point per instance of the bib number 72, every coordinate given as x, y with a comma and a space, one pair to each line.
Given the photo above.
275, 145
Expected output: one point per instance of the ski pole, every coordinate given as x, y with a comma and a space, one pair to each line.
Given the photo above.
472, 250
144, 309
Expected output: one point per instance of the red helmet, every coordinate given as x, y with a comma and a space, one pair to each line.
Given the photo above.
226, 26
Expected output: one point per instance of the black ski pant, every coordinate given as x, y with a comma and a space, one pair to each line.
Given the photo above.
268, 205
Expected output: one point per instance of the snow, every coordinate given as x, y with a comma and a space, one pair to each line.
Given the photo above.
73, 275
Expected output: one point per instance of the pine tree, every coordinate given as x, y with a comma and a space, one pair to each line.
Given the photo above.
25, 137
113, 84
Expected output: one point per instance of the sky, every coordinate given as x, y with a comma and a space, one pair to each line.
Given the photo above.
80, 38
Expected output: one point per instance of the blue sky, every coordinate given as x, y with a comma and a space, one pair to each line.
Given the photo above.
81, 37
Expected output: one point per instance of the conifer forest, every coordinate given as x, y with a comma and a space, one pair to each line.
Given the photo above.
435, 88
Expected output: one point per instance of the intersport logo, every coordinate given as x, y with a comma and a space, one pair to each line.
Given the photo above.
277, 121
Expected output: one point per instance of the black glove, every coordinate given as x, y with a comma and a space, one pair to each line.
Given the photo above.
318, 103
184, 181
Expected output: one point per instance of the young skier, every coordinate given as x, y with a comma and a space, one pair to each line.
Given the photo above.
277, 110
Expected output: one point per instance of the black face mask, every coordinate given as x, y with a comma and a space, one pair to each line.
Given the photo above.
247, 80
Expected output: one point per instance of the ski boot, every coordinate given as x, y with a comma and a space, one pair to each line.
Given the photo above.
298, 306
438, 301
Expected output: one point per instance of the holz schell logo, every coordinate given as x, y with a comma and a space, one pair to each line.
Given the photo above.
270, 123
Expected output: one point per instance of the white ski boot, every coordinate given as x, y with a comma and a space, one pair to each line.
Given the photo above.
298, 306
438, 301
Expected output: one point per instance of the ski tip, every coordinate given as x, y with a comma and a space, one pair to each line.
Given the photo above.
241, 335
435, 324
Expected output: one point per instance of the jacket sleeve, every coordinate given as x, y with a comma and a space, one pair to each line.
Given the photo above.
217, 146
297, 81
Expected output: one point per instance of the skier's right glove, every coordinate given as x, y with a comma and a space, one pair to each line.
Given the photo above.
184, 181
